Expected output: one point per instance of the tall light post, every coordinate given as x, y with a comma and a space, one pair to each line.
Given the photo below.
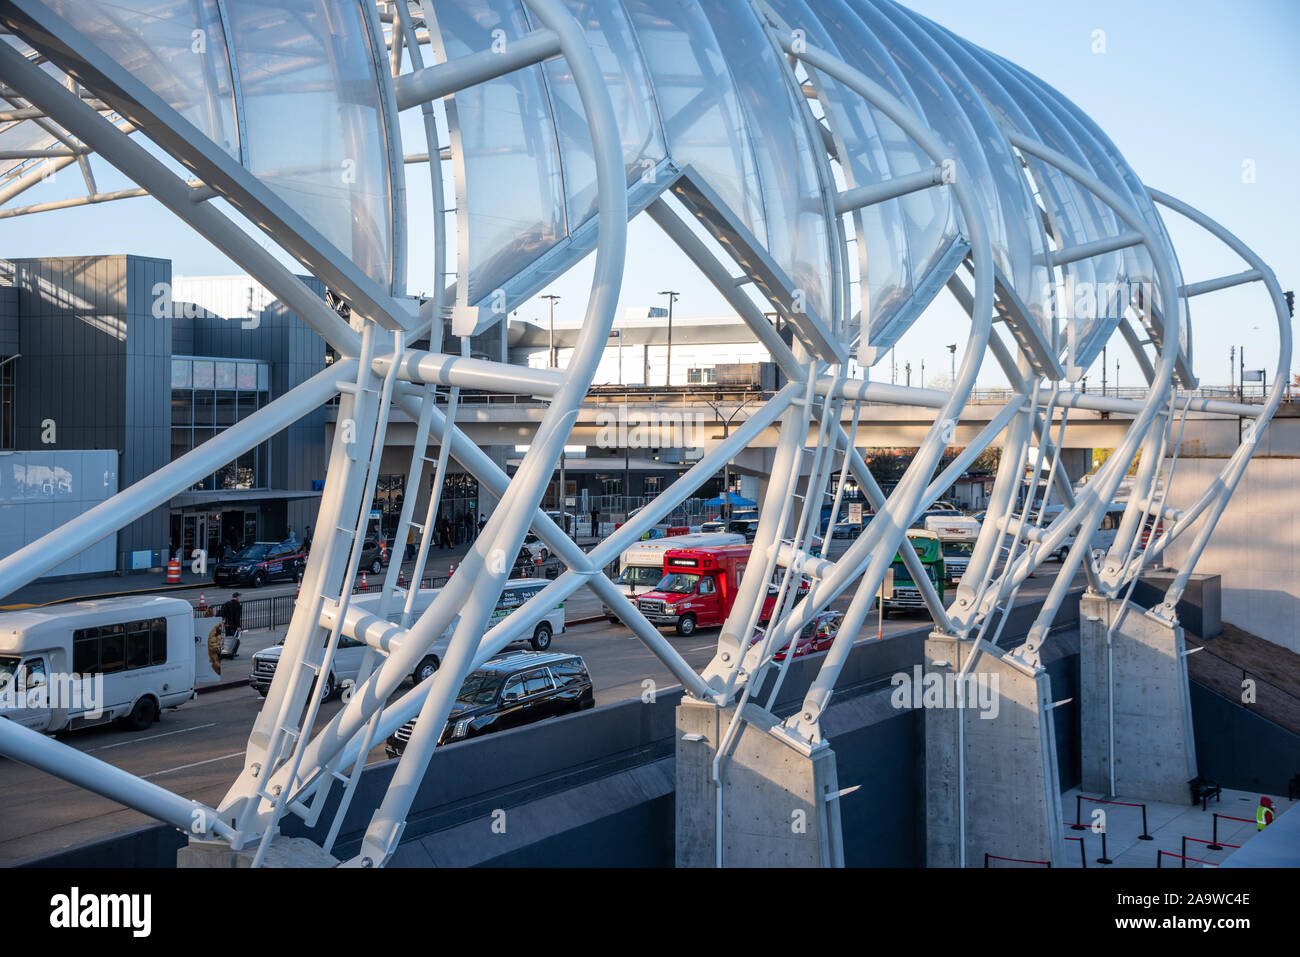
672, 295
1232, 369
922, 373
952, 350
1103, 370
907, 368
553, 298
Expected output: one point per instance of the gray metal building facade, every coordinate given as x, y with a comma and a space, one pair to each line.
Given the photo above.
94, 354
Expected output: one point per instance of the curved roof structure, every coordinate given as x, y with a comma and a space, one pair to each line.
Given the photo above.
294, 92
835, 163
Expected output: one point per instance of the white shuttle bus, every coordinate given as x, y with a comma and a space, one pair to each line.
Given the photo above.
89, 662
641, 567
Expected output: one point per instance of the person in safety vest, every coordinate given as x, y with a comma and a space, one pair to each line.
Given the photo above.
1264, 813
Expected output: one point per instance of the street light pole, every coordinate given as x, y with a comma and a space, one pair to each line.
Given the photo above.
1103, 370
952, 350
552, 297
1232, 368
907, 368
672, 295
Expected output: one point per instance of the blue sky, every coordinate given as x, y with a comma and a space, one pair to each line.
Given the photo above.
1189, 91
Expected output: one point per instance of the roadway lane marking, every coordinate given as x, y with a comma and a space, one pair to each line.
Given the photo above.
196, 764
701, 648
152, 737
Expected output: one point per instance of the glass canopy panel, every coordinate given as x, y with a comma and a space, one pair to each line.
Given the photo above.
698, 104
881, 234
176, 48
928, 216
1026, 244
1083, 219
311, 108
503, 135
614, 45
1139, 270
1141, 201
797, 232
949, 123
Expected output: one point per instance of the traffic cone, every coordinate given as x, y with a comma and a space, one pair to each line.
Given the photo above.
174, 572
365, 585
401, 578
451, 569
203, 602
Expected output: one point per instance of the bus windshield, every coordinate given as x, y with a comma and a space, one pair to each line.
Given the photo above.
958, 549
647, 575
678, 583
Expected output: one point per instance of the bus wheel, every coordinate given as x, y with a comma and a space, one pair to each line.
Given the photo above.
686, 625
142, 715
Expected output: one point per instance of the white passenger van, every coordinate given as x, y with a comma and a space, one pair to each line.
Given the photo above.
641, 567
351, 650
1102, 539
88, 662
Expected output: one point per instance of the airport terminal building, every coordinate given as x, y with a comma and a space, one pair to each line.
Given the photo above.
110, 367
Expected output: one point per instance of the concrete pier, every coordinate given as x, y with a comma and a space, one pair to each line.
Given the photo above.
1143, 671
1008, 783
779, 804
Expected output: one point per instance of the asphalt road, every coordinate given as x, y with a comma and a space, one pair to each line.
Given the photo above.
197, 749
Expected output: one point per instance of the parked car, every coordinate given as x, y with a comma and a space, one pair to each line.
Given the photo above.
711, 527
815, 636
373, 556
345, 667
510, 691
744, 526
262, 562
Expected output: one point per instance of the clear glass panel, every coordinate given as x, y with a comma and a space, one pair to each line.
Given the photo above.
1141, 201
882, 238
702, 117
797, 234
512, 210
246, 377
180, 373
612, 41
1084, 219
948, 121
928, 215
1025, 240
203, 373
175, 47
263, 378
315, 127
225, 378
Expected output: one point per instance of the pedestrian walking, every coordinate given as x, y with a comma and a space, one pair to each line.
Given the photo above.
595, 523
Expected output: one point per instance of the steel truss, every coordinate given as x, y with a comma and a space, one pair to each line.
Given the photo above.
288, 769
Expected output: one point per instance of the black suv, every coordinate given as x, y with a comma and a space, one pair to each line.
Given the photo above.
508, 691
262, 562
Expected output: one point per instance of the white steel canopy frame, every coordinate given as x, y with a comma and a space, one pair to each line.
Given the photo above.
837, 162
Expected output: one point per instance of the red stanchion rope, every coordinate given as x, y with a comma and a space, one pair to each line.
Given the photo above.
1019, 860
1196, 859
1229, 817
1199, 841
